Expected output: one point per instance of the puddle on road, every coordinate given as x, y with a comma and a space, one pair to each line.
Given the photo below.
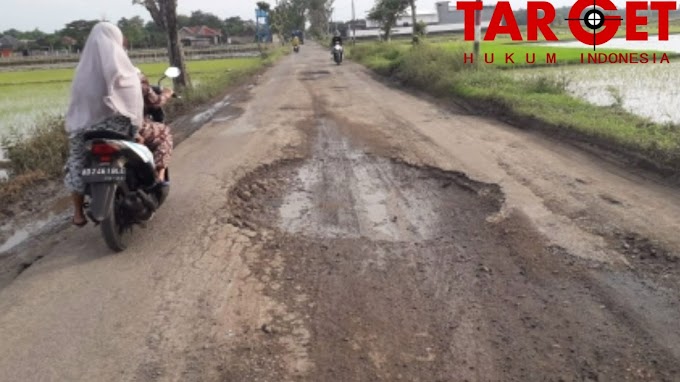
342, 192
205, 116
24, 233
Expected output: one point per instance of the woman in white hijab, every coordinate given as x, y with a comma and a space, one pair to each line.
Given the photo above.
106, 95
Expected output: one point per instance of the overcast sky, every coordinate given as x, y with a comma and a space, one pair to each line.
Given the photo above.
51, 15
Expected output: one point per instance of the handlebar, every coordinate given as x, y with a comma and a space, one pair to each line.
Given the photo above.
158, 90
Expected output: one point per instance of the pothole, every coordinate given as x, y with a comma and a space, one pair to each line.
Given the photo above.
341, 192
380, 257
311, 75
315, 72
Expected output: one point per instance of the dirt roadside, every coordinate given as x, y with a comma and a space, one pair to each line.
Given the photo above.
341, 230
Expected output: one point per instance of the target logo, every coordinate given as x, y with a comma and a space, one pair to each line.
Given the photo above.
592, 22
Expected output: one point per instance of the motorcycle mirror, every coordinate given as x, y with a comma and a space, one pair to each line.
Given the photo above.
172, 72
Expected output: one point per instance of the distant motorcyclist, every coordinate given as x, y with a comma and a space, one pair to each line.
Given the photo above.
296, 43
337, 39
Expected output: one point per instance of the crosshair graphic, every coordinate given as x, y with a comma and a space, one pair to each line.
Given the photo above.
595, 19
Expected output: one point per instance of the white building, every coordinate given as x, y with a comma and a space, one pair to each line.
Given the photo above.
405, 20
405, 31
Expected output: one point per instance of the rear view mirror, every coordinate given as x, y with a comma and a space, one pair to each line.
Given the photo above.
172, 72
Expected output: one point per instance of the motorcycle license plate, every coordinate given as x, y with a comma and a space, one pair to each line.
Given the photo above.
103, 174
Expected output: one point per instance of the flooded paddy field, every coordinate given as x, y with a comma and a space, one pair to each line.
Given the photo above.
647, 90
650, 91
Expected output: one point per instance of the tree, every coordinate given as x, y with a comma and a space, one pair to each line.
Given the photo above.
279, 21
421, 29
133, 30
164, 14
288, 16
208, 19
249, 28
35, 34
414, 19
386, 13
328, 12
318, 17
296, 14
183, 21
53, 41
263, 6
156, 37
12, 32
78, 30
234, 26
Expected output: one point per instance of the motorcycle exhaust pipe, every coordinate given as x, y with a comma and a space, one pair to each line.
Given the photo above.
148, 201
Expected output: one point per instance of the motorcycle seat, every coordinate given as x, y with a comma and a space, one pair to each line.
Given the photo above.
106, 134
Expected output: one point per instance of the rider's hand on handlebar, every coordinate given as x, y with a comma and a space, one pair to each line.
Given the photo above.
139, 139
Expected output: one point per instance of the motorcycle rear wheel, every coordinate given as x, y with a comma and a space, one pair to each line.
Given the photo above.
115, 232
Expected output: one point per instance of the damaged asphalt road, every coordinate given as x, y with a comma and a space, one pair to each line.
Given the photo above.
342, 230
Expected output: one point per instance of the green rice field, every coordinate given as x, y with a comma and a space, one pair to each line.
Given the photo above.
28, 95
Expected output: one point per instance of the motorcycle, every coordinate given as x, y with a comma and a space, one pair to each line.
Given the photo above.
296, 49
120, 182
337, 53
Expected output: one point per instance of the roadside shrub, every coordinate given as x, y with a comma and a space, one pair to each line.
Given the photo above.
546, 85
431, 69
387, 51
42, 149
421, 28
10, 191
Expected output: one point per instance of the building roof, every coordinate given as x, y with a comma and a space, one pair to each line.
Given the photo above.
201, 31
66, 40
9, 42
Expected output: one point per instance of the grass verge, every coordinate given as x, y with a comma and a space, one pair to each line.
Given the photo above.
39, 154
541, 102
507, 54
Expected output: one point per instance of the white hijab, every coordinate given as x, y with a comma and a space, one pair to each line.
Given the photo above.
105, 83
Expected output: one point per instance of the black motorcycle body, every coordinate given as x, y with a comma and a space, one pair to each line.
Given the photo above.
120, 181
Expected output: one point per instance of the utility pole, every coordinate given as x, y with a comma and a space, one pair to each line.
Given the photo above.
354, 25
478, 32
